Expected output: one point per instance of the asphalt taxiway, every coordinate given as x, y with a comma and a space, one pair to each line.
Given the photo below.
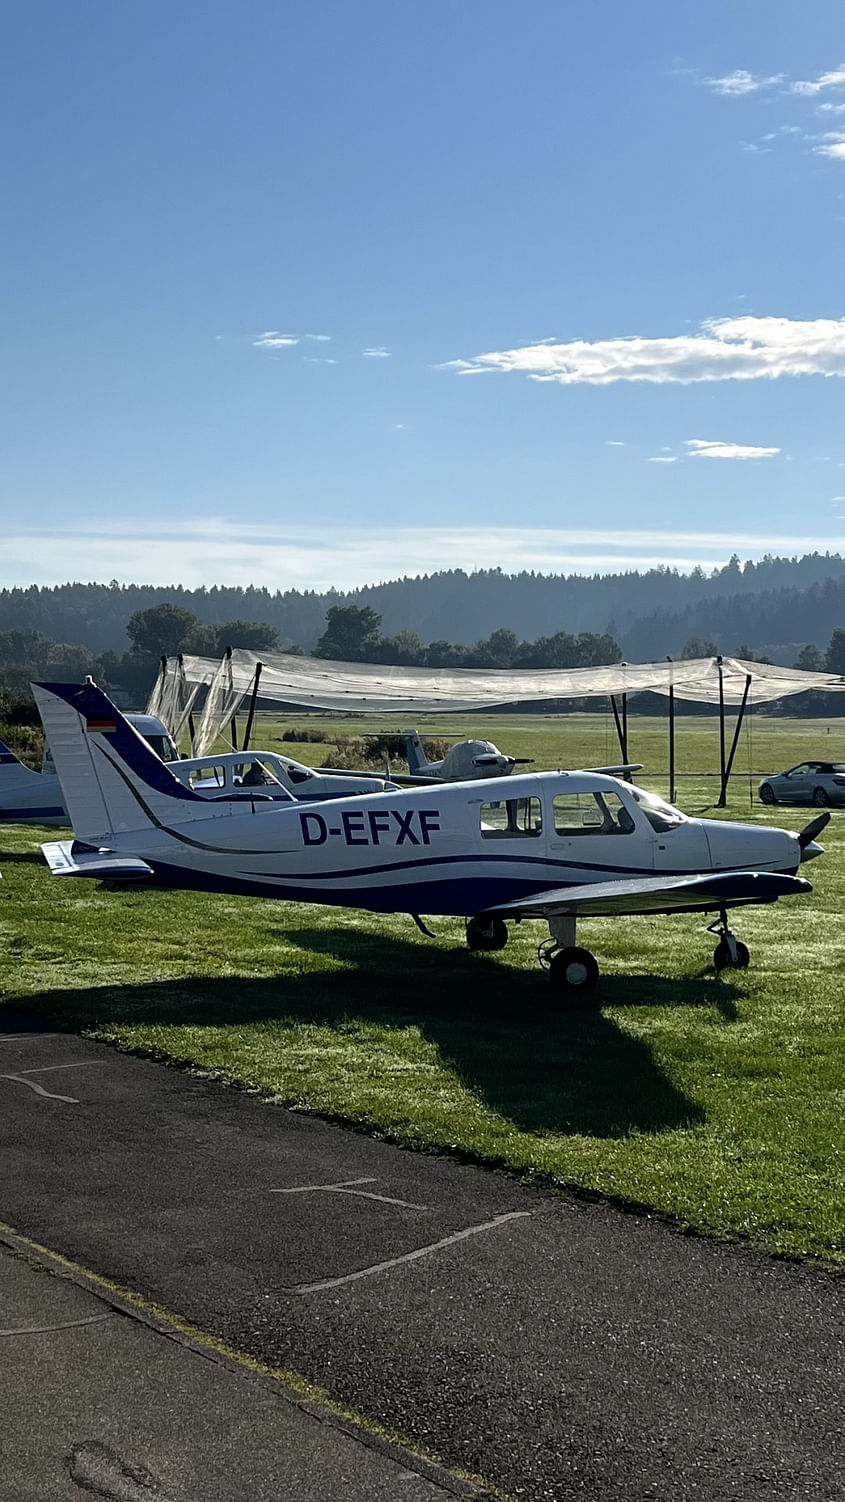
554, 1348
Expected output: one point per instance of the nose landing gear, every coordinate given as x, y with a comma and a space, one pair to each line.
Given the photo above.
730, 952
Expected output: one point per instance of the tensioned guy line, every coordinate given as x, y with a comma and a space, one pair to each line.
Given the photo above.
423, 1251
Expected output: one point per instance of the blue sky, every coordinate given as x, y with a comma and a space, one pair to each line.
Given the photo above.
311, 294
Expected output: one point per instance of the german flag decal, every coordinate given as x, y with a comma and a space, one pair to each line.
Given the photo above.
101, 727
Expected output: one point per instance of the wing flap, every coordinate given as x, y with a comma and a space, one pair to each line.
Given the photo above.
656, 894
65, 860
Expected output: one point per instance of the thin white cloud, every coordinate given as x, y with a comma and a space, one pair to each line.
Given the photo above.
710, 448
273, 340
206, 551
831, 109
834, 79
734, 85
739, 349
318, 338
662, 459
377, 353
614, 443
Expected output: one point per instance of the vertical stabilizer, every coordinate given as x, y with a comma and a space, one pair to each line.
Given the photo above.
415, 752
112, 781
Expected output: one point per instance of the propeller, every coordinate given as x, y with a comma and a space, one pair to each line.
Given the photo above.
496, 761
807, 836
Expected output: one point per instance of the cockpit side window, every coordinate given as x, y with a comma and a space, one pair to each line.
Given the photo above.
512, 819
591, 813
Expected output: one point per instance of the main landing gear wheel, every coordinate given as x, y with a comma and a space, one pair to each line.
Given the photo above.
573, 969
767, 794
819, 798
486, 934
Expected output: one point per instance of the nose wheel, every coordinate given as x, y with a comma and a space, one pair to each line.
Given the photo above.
730, 952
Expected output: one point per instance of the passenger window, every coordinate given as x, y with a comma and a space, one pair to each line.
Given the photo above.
204, 778
516, 818
591, 813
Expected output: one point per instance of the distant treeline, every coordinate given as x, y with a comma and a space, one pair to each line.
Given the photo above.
774, 605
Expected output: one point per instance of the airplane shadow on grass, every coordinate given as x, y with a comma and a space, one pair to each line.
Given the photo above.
545, 1064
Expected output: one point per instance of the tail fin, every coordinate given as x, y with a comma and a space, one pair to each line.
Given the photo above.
111, 779
415, 752
13, 773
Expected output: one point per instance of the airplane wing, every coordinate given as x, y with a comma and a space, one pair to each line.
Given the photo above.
655, 894
73, 858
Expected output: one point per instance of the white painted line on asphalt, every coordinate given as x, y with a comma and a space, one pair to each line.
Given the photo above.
39, 1089
20, 1037
68, 1324
423, 1251
344, 1187
78, 1064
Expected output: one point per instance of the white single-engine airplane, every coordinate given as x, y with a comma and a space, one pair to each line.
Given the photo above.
28, 797
463, 761
563, 845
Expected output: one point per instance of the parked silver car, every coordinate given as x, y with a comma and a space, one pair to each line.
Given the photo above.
818, 782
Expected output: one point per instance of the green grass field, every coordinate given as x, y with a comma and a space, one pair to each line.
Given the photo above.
715, 1099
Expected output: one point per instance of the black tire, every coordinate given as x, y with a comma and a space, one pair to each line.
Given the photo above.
723, 960
573, 970
820, 799
767, 794
487, 934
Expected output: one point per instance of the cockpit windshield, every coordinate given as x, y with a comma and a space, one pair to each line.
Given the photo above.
661, 815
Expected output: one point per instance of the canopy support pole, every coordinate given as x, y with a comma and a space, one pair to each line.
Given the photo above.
621, 725
671, 743
734, 743
722, 794
250, 717
190, 711
234, 725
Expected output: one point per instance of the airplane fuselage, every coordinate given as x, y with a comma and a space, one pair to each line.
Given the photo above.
452, 849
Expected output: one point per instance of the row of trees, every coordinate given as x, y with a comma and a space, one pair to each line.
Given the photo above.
353, 634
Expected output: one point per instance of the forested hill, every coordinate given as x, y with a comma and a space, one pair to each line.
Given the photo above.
778, 600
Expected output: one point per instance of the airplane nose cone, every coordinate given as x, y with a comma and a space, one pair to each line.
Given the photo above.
811, 850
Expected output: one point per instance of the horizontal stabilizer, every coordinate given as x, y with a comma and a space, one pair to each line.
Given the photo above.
656, 894
69, 858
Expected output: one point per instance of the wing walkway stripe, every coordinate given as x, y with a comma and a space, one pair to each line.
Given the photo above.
423, 1251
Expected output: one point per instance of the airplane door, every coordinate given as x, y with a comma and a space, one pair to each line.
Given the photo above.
596, 834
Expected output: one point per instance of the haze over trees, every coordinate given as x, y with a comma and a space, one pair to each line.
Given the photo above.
776, 606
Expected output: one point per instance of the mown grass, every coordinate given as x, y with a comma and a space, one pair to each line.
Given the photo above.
715, 1099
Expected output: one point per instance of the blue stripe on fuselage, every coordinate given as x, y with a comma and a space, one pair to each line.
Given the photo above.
458, 897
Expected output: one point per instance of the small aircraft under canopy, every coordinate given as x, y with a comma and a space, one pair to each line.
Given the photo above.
463, 761
563, 845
